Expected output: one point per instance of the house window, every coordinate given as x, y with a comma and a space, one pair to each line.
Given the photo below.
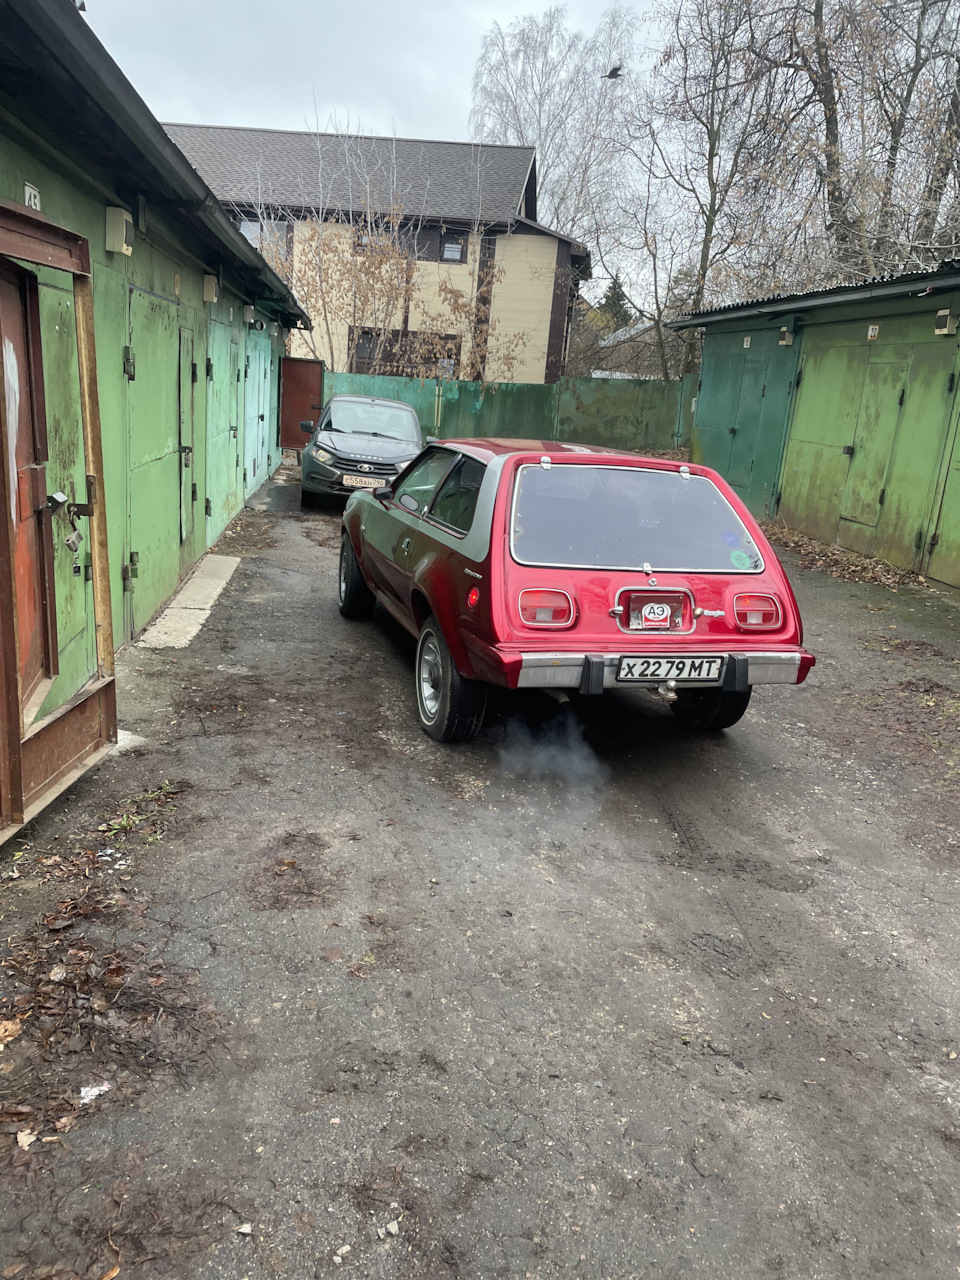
365, 355
273, 237
453, 248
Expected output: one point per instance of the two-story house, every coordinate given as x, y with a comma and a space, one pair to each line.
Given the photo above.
411, 257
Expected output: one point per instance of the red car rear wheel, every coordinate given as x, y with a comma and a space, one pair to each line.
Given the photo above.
450, 706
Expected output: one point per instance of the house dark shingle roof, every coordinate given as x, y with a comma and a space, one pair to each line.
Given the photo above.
459, 181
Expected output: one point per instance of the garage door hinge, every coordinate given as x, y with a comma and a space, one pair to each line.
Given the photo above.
918, 540
209, 369
129, 364
934, 540
799, 378
207, 507
903, 393
244, 475
193, 492
883, 494
193, 371
950, 382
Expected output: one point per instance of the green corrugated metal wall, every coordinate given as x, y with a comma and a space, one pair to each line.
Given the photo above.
872, 459
872, 440
742, 409
618, 412
143, 420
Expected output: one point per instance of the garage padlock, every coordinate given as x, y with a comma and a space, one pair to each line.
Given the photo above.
75, 538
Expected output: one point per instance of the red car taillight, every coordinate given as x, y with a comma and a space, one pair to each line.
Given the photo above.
544, 608
757, 613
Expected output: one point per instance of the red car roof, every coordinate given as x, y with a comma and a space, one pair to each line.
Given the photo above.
486, 448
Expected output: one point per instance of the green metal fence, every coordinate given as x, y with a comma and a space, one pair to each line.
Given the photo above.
623, 413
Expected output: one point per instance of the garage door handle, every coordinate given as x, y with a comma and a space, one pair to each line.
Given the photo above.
732, 430
848, 450
404, 544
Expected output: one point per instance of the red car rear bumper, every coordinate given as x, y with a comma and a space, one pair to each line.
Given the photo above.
552, 669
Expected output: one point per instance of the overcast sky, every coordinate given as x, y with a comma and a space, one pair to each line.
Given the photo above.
388, 67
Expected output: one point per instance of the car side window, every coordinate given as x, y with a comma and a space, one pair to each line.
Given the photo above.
456, 501
423, 477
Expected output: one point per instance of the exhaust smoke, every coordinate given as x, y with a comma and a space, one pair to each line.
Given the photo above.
557, 747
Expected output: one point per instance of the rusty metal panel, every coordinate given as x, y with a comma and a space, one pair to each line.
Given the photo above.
188, 375
301, 397
154, 442
505, 409
743, 407
881, 405
907, 515
223, 473
64, 744
824, 423
622, 413
943, 547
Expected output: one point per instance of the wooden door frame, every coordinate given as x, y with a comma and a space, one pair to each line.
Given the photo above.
39, 761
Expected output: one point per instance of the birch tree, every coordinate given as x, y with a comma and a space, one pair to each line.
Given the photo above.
538, 83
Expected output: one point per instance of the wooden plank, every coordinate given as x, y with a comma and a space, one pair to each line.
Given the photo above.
93, 453
11, 790
63, 743
28, 235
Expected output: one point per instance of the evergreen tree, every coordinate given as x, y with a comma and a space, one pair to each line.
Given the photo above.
615, 307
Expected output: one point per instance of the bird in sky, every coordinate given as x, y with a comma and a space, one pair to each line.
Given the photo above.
614, 73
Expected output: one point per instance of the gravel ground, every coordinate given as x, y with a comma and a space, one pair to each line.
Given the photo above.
590, 996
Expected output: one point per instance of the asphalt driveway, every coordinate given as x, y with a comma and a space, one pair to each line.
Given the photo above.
591, 996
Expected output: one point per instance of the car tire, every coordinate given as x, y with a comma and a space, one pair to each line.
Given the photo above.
356, 598
450, 706
710, 709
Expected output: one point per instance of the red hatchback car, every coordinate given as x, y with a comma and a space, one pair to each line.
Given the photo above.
534, 564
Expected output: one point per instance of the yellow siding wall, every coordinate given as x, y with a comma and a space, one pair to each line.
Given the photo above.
520, 314
522, 301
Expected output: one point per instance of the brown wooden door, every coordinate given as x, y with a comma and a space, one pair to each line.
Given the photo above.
26, 455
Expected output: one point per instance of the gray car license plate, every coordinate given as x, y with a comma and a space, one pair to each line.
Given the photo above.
703, 669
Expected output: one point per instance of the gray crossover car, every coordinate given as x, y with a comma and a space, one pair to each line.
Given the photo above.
358, 443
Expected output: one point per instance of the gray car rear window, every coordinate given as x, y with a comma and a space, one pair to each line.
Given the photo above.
627, 518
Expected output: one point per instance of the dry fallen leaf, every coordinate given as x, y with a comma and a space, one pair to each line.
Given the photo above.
245, 1229
9, 1030
25, 1138
112, 1273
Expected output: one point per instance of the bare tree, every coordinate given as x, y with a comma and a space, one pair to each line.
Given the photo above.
873, 118
538, 83
694, 136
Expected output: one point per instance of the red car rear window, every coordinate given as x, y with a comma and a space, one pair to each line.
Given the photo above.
606, 517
